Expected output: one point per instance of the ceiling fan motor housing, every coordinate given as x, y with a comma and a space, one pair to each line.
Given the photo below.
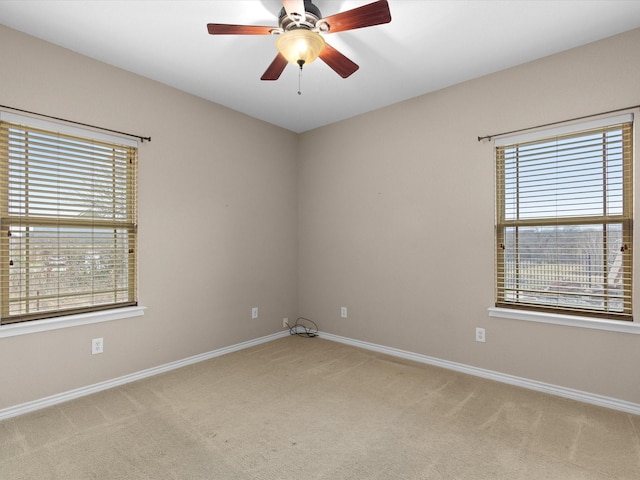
308, 21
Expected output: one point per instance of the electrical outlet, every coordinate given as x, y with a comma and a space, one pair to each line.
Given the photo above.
254, 312
480, 334
97, 345
285, 322
343, 312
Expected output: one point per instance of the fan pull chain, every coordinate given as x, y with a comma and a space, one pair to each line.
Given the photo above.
300, 80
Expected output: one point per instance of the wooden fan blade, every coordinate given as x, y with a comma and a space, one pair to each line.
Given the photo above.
375, 13
295, 9
226, 29
337, 61
275, 69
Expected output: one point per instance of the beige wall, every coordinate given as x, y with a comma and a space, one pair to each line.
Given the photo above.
396, 221
217, 222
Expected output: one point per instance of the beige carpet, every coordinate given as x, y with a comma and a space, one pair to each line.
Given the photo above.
303, 409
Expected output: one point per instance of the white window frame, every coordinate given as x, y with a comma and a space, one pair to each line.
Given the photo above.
563, 319
73, 320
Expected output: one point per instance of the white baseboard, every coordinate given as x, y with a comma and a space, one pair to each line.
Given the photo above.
586, 397
97, 387
578, 395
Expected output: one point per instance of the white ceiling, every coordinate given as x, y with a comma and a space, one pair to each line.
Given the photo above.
427, 46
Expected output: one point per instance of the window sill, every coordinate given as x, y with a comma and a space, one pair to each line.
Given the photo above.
37, 326
567, 320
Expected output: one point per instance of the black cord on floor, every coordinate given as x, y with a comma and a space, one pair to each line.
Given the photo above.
303, 329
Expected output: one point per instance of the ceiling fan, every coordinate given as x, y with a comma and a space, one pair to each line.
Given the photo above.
300, 24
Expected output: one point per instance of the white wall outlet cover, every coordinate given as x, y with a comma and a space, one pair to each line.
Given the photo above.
254, 312
97, 345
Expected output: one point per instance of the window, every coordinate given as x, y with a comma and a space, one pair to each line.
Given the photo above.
68, 221
564, 220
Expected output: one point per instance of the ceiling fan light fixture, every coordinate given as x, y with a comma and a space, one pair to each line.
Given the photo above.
300, 46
